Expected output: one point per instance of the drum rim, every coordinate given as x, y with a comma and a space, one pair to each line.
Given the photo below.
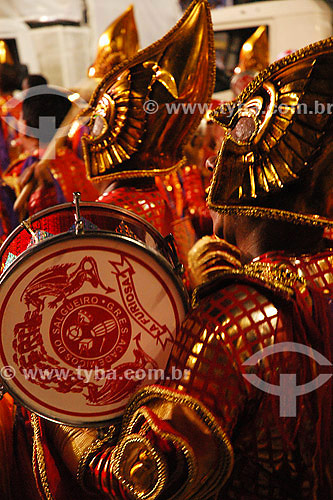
88, 235
93, 234
127, 215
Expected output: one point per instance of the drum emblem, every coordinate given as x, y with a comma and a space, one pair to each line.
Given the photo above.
59, 283
89, 330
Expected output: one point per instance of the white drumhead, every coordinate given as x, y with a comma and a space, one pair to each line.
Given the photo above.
85, 321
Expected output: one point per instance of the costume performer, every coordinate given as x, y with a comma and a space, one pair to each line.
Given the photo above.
116, 44
213, 434
139, 126
253, 57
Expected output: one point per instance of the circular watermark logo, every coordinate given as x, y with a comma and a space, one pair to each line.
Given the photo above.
7, 372
150, 107
288, 390
47, 124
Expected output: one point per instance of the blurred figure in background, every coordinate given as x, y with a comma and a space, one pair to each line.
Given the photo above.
9, 107
33, 81
43, 113
253, 57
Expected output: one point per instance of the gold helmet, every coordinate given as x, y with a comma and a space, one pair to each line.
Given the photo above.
253, 58
254, 52
143, 111
5, 55
278, 135
118, 42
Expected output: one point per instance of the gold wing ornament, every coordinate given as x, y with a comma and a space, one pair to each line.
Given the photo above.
117, 43
139, 116
275, 133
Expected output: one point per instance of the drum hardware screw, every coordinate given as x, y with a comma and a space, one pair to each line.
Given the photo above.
178, 266
27, 225
79, 225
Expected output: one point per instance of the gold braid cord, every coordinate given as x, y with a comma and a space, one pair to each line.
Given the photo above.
276, 277
97, 445
210, 256
39, 466
148, 406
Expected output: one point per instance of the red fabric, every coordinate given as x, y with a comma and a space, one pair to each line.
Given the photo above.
278, 455
147, 203
70, 172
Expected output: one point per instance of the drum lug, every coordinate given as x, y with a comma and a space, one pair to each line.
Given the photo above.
79, 225
178, 266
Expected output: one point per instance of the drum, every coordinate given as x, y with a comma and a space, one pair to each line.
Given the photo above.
91, 300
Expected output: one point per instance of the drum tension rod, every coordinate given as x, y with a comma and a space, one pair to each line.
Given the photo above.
79, 226
178, 266
27, 225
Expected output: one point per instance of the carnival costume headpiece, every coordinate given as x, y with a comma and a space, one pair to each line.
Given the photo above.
5, 55
254, 52
275, 135
253, 58
139, 119
117, 43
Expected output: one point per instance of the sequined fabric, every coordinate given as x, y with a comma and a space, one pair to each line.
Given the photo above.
274, 457
147, 203
69, 171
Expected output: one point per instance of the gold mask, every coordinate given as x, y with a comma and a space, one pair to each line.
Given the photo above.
134, 131
118, 43
274, 133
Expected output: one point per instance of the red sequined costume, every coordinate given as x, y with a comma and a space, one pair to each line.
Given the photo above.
147, 203
10, 109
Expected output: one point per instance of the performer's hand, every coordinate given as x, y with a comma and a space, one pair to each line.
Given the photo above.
38, 172
37, 175
167, 449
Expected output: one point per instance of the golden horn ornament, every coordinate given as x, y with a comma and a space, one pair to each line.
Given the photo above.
117, 43
5, 55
